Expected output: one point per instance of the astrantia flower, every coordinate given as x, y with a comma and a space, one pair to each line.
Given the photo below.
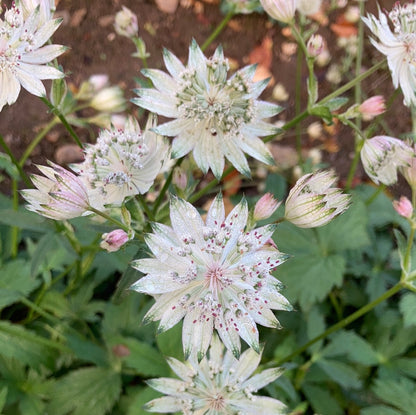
214, 117
219, 384
382, 155
22, 57
214, 274
124, 162
46, 9
60, 194
282, 10
398, 45
312, 202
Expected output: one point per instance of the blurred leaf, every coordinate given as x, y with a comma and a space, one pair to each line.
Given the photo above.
7, 165
25, 219
86, 391
336, 103
341, 373
170, 342
315, 325
3, 396
322, 401
15, 282
276, 184
408, 309
322, 112
142, 397
380, 410
87, 351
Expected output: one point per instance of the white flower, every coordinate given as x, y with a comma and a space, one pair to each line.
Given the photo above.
126, 23
219, 384
312, 202
124, 162
46, 9
214, 117
22, 57
60, 194
214, 274
382, 155
308, 7
110, 99
399, 46
282, 10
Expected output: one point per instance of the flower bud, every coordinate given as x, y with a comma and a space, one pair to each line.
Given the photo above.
109, 99
372, 107
114, 240
315, 45
352, 14
180, 179
282, 10
308, 7
126, 23
403, 207
312, 202
98, 82
265, 207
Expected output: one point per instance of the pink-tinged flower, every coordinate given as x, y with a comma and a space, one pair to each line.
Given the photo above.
372, 107
114, 240
60, 194
219, 385
282, 10
398, 45
126, 23
403, 207
409, 170
315, 45
382, 155
312, 202
265, 207
23, 57
213, 274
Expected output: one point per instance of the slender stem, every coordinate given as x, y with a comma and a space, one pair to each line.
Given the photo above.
15, 229
374, 196
298, 102
345, 322
109, 218
354, 164
218, 30
61, 116
36, 141
23, 175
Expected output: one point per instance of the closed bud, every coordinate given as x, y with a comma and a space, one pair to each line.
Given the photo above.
180, 179
403, 207
265, 207
372, 107
109, 99
126, 23
114, 240
315, 46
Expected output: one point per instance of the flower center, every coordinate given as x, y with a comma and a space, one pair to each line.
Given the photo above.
216, 279
217, 402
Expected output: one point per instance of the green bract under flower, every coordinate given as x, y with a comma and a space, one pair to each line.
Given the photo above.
215, 117
218, 385
213, 274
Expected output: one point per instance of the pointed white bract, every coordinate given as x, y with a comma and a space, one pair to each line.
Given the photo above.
219, 384
213, 274
214, 117
398, 45
124, 162
381, 156
59, 194
46, 9
23, 57
312, 202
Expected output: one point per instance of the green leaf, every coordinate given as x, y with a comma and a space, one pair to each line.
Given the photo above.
408, 309
15, 282
315, 325
7, 165
86, 391
380, 410
142, 397
406, 366
402, 248
87, 351
336, 103
18, 343
276, 184
25, 220
3, 396
323, 112
322, 401
350, 344
170, 342
341, 373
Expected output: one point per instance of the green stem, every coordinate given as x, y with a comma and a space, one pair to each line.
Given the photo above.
345, 322
218, 30
354, 164
374, 196
15, 229
61, 116
109, 218
23, 175
145, 207
36, 141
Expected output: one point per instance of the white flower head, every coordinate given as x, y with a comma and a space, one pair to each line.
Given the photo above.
219, 384
60, 194
215, 117
46, 9
312, 202
124, 162
398, 45
282, 10
213, 274
22, 54
382, 155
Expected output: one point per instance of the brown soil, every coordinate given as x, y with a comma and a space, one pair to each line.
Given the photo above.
88, 31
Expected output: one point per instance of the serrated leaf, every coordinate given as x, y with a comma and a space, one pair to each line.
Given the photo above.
15, 282
18, 343
86, 391
341, 373
322, 401
408, 309
350, 344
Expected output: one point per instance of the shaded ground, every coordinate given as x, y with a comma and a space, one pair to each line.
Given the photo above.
88, 31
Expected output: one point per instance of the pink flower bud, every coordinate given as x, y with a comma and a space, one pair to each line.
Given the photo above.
114, 240
179, 178
403, 207
372, 107
315, 46
265, 207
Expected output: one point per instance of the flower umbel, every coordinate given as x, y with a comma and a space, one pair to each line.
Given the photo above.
312, 202
60, 194
382, 155
124, 162
213, 274
214, 117
22, 54
219, 384
398, 45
